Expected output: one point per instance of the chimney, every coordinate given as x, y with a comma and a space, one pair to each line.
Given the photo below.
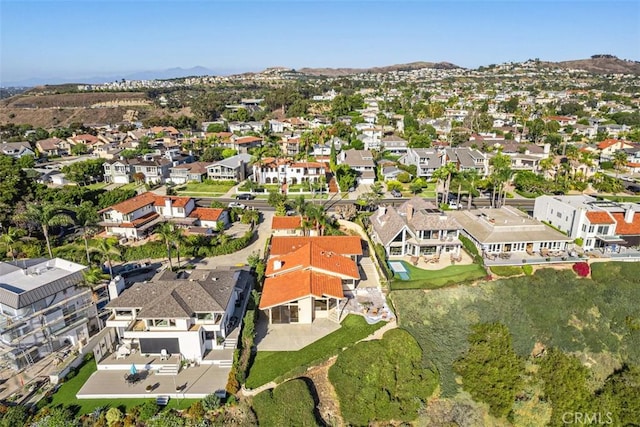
116, 286
277, 265
381, 211
547, 148
409, 212
168, 203
629, 214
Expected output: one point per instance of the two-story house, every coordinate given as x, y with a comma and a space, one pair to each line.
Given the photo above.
362, 162
189, 172
234, 168
44, 307
53, 147
189, 314
426, 160
608, 147
395, 145
135, 218
285, 171
600, 224
16, 149
416, 228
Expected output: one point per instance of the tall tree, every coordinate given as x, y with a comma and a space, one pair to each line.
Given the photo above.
443, 176
167, 234
46, 216
87, 218
619, 162
10, 237
501, 173
107, 249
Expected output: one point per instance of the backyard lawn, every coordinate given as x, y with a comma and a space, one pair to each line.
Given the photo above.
270, 365
623, 198
66, 395
433, 279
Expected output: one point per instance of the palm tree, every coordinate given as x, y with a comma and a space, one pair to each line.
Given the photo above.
107, 249
546, 165
300, 204
87, 218
167, 234
178, 240
46, 216
619, 161
10, 238
443, 176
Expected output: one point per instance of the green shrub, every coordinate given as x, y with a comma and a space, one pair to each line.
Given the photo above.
211, 402
527, 269
148, 409
506, 270
381, 254
471, 249
289, 404
579, 241
395, 389
491, 370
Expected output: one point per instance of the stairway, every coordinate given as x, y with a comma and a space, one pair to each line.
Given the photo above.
333, 185
225, 364
230, 343
168, 370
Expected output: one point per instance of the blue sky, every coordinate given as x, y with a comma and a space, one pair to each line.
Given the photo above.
95, 38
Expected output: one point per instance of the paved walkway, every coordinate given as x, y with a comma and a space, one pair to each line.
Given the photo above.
240, 257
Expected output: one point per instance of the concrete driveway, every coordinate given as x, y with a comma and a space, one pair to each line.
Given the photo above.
240, 257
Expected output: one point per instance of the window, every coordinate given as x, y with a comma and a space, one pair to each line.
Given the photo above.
591, 228
603, 229
584, 227
162, 323
559, 214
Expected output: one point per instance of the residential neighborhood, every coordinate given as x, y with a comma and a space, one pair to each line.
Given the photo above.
216, 238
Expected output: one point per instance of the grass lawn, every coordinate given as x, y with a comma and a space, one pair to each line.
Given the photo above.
66, 395
206, 187
623, 198
270, 365
506, 270
433, 279
129, 186
97, 185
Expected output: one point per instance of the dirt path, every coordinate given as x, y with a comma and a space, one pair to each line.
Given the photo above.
328, 406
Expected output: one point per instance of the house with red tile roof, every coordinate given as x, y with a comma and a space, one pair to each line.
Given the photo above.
135, 218
286, 225
608, 147
309, 280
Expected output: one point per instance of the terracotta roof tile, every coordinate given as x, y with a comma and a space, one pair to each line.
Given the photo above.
134, 203
176, 201
247, 140
627, 228
343, 245
599, 217
206, 214
290, 287
315, 257
286, 222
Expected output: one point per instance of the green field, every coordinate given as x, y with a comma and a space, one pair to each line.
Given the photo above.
271, 365
66, 395
433, 279
596, 318
207, 188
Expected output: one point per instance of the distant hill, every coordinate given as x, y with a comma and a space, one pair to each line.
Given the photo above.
337, 72
602, 64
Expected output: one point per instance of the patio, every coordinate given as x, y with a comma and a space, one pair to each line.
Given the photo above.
194, 383
434, 262
291, 336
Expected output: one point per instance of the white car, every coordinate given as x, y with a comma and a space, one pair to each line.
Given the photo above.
236, 205
453, 205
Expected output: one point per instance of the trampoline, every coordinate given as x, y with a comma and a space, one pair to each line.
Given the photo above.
398, 268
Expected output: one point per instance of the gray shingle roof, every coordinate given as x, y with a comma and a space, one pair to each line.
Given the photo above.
171, 296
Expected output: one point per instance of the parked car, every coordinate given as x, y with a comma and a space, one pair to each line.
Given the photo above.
454, 205
245, 196
396, 193
236, 205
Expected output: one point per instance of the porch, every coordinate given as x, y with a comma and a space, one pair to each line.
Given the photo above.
436, 261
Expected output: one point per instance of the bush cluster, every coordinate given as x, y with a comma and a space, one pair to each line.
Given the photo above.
582, 269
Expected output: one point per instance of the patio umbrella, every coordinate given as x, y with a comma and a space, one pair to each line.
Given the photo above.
133, 370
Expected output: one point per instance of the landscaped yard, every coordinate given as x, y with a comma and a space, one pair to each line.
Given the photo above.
129, 186
623, 198
207, 188
271, 365
433, 279
66, 395
97, 185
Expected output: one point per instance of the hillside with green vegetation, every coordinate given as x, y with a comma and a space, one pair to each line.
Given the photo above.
531, 347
